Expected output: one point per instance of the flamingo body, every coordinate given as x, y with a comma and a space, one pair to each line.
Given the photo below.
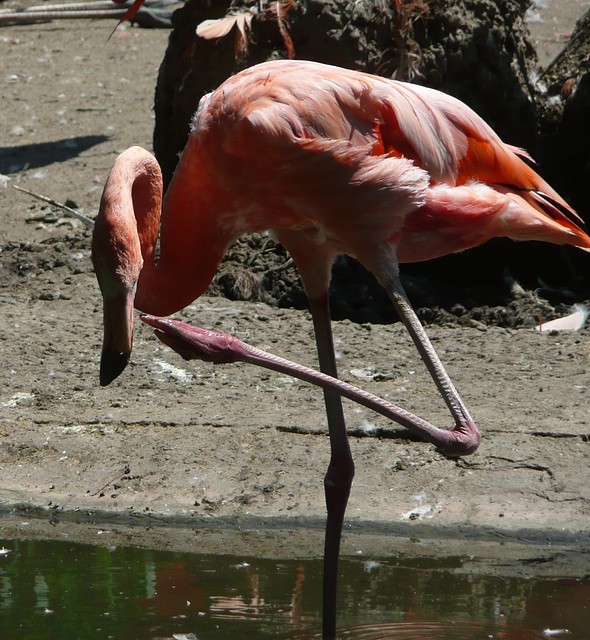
381, 170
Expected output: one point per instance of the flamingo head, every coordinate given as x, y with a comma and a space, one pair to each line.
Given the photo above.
117, 259
125, 233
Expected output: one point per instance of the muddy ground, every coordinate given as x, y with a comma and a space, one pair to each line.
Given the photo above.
238, 453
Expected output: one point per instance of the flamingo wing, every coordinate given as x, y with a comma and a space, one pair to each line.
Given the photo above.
339, 149
431, 122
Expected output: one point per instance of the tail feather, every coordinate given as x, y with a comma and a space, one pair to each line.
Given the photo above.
555, 222
557, 211
458, 149
511, 168
524, 182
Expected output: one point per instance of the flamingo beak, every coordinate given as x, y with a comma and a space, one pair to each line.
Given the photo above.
118, 337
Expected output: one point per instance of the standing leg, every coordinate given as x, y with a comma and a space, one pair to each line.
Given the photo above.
314, 262
338, 479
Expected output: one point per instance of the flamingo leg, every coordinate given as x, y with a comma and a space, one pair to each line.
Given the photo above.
221, 348
314, 263
338, 478
441, 378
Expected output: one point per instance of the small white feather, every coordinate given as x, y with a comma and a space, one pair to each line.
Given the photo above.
574, 322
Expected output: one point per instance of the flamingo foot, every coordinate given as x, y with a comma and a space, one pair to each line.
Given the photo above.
194, 343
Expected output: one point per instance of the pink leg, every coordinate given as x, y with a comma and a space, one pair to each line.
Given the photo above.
222, 348
465, 428
338, 478
383, 264
314, 263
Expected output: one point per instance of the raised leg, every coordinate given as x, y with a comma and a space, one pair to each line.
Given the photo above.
338, 479
464, 422
383, 264
222, 348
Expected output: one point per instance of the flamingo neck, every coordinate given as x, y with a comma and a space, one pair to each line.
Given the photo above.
192, 243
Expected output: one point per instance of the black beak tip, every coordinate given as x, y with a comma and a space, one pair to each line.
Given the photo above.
112, 365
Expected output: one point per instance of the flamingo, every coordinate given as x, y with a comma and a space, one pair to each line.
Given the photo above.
331, 161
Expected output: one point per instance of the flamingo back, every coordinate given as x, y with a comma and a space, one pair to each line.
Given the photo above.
364, 160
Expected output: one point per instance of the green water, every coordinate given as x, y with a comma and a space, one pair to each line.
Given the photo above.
62, 591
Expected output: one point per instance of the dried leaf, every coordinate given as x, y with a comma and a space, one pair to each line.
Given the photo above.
129, 14
282, 9
210, 29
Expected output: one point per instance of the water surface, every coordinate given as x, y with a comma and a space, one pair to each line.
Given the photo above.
66, 591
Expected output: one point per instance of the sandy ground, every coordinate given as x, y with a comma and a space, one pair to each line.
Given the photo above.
234, 450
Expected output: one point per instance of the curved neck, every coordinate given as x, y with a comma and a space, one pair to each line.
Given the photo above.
191, 242
191, 248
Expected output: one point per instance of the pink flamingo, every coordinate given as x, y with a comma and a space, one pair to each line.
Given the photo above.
333, 161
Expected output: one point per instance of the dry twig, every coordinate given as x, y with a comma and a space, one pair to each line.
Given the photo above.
76, 214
